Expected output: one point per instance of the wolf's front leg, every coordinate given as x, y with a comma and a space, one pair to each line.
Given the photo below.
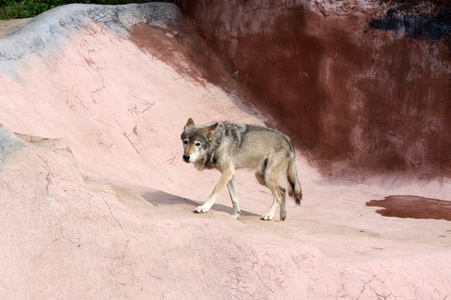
227, 174
206, 206
234, 198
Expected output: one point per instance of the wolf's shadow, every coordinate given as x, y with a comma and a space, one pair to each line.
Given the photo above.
160, 198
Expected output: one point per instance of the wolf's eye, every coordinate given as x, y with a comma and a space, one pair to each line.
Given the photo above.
185, 142
198, 144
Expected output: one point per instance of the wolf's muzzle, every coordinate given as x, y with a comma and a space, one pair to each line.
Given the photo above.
186, 158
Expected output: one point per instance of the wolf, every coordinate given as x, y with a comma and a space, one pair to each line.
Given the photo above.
227, 146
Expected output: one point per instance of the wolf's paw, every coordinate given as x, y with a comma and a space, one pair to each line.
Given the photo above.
201, 209
283, 215
236, 216
267, 217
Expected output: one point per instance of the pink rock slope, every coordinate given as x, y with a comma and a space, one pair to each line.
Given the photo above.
97, 203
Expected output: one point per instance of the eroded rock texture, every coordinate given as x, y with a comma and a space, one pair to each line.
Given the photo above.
364, 85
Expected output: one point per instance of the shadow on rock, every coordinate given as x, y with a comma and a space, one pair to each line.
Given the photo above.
160, 198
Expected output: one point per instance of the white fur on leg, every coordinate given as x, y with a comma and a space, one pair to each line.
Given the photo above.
276, 202
269, 215
234, 198
203, 208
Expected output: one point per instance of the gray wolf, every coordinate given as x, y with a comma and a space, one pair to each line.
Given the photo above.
229, 146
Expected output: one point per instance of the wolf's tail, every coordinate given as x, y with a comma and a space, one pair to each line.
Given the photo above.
292, 177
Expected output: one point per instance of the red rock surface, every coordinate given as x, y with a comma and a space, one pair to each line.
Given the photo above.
359, 100
96, 201
403, 206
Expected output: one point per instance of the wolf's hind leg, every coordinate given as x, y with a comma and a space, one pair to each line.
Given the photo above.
277, 199
283, 212
283, 209
268, 175
234, 198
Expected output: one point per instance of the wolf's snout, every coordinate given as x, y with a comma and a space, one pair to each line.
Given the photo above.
186, 157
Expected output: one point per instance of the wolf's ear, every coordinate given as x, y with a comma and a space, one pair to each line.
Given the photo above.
210, 130
189, 123
213, 127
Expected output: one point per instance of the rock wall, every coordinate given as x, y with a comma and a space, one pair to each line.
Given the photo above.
363, 86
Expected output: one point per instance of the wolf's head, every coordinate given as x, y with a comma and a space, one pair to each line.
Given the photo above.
196, 140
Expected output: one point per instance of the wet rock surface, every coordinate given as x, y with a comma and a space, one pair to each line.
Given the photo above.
413, 207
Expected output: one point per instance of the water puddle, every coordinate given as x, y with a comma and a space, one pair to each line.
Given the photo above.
413, 207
